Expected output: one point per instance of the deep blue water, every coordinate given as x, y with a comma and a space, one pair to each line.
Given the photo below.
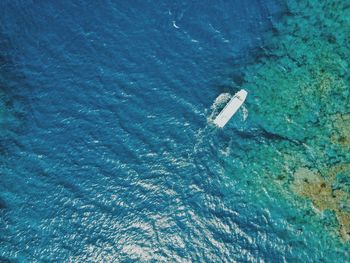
107, 153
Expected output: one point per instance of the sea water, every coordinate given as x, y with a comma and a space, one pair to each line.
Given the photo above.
108, 153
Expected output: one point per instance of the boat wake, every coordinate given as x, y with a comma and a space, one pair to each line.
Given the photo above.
244, 113
218, 105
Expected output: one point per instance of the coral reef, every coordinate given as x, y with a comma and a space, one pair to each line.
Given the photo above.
324, 196
300, 100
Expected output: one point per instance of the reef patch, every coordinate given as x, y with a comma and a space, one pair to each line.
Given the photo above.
303, 83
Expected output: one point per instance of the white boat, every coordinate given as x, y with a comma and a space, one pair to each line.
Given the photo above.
231, 108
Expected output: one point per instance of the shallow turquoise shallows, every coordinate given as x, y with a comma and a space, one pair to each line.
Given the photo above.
108, 151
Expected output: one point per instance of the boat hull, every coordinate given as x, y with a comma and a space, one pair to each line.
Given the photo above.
231, 108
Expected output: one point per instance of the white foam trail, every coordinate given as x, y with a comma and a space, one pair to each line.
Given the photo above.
174, 24
245, 113
222, 99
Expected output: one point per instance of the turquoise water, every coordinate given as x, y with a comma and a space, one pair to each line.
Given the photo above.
109, 154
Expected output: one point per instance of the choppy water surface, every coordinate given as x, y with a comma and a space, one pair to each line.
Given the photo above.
107, 148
